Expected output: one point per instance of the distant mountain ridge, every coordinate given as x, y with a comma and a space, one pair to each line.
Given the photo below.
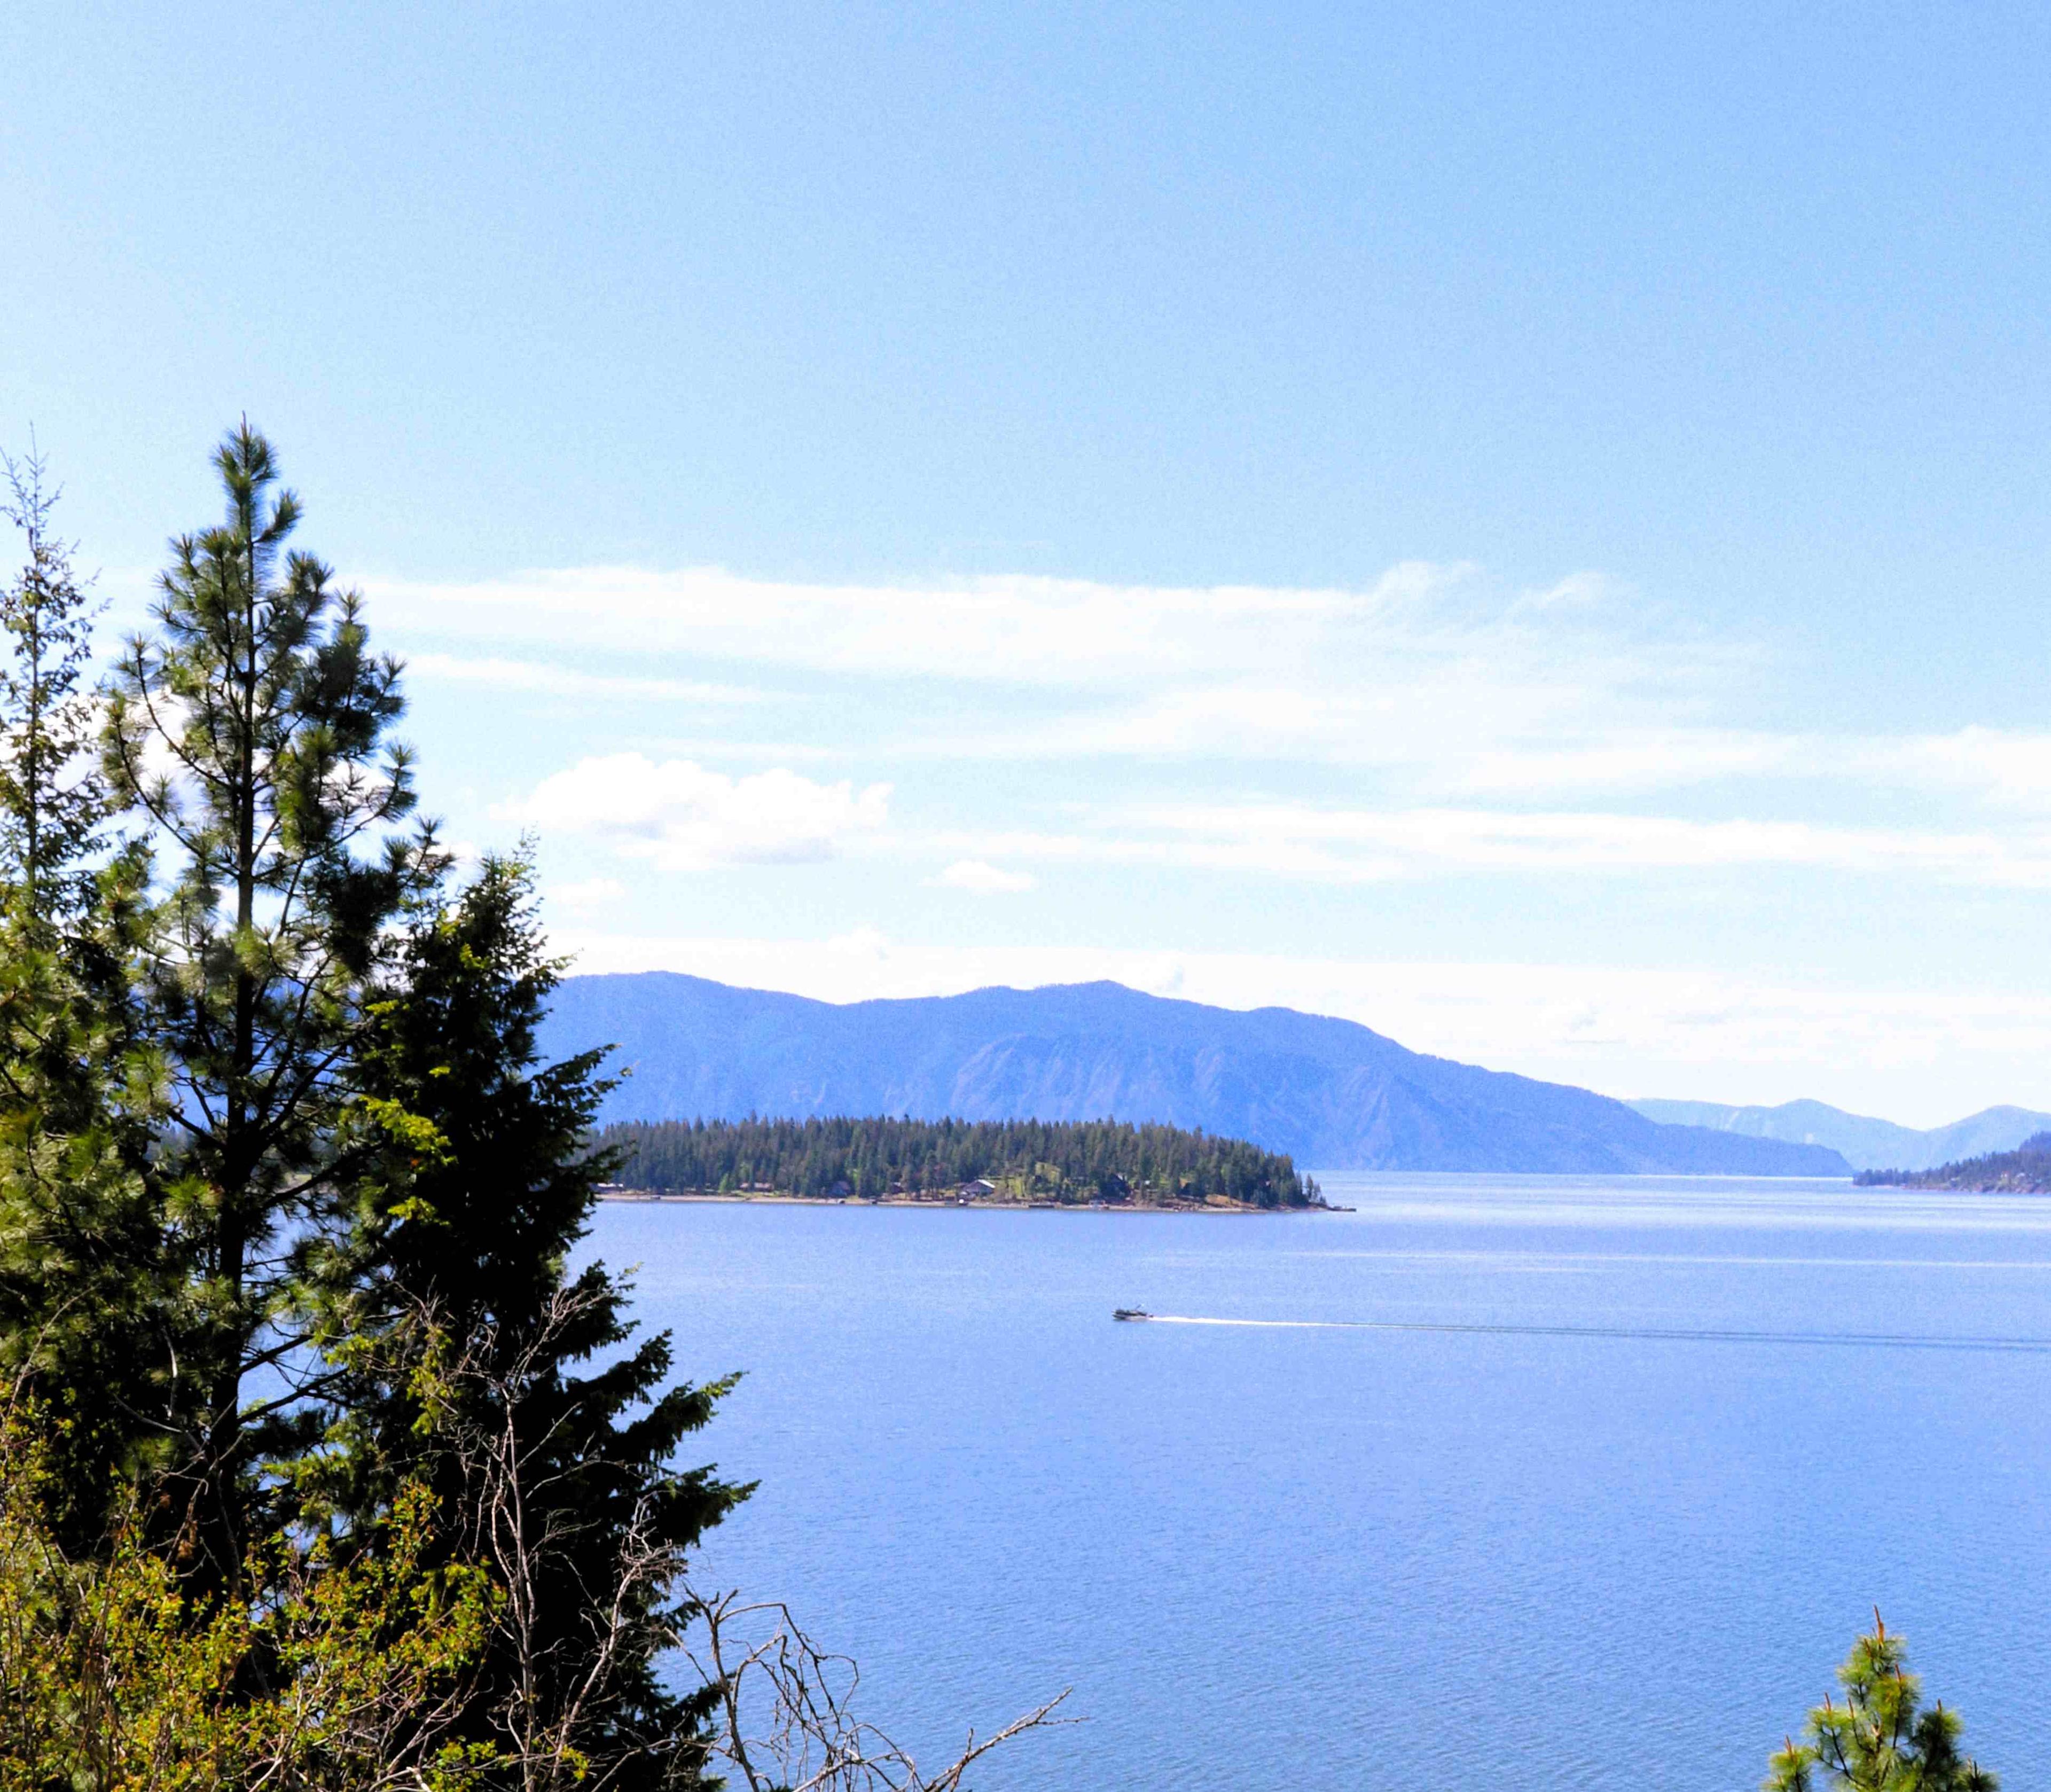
1863, 1142
1332, 1094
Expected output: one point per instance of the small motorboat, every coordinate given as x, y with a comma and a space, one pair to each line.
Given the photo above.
1130, 1312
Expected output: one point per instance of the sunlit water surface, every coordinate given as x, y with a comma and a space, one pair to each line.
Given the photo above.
1615, 1532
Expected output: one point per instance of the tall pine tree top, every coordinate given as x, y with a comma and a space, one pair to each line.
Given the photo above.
251, 729
52, 806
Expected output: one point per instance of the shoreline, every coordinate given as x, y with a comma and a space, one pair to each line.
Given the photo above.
649, 1198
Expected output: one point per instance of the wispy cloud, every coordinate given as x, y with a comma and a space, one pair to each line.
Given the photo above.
1434, 670
681, 816
2007, 768
1367, 644
1026, 631
1437, 671
1360, 846
1634, 760
564, 681
1493, 839
1504, 729
982, 878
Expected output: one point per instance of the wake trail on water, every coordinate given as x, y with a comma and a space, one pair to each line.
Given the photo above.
1870, 1341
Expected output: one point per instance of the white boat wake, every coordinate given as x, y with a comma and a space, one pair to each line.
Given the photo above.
1871, 1340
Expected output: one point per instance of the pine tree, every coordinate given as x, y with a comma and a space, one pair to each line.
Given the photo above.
53, 806
1880, 1740
462, 1339
87, 1289
252, 728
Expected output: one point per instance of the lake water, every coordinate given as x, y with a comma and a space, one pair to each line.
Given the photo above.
1618, 1538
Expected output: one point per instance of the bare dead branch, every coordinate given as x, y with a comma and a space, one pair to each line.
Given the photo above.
807, 1737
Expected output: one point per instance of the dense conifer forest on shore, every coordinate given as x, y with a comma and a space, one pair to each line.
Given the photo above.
1069, 1161
2026, 1170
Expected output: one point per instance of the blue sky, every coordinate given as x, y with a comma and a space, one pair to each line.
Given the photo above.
1527, 530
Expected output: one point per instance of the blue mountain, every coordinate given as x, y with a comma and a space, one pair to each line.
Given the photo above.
1332, 1094
1863, 1142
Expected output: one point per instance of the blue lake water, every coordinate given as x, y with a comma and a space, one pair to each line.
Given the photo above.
1588, 1546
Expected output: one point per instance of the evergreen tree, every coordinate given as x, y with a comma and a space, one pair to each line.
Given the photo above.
53, 805
1881, 1739
86, 1286
476, 1356
252, 728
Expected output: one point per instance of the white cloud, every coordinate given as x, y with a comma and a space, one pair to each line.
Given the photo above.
1090, 636
1362, 845
684, 818
1469, 704
1576, 590
2009, 768
1432, 670
983, 878
564, 681
1633, 759
1488, 840
1027, 630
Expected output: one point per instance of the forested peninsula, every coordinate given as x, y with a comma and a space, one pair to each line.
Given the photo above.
2026, 1170
995, 1162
